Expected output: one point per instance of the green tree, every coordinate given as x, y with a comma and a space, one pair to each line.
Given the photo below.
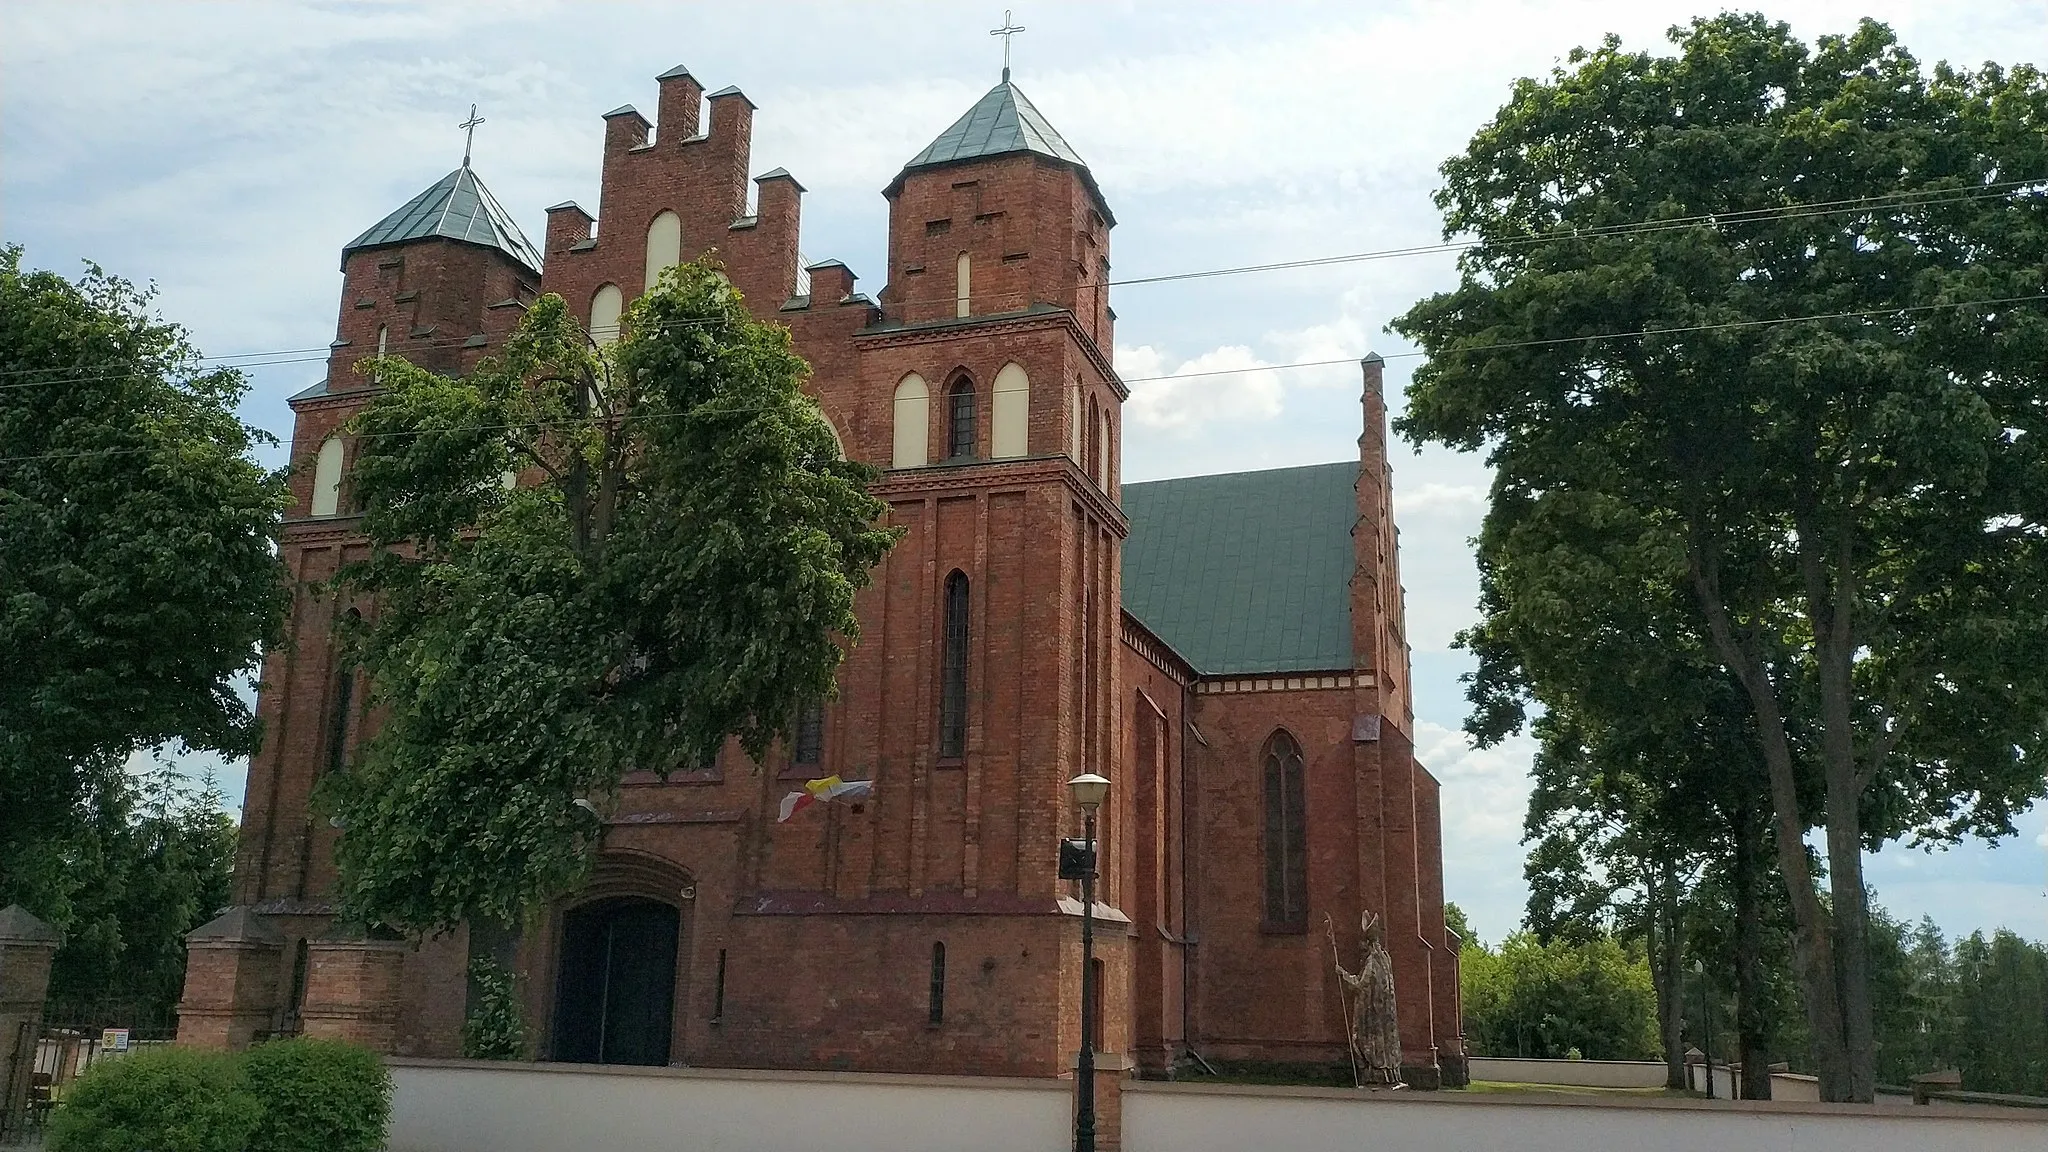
138, 574
151, 865
679, 567
1544, 1000
2001, 1013
1454, 919
1785, 304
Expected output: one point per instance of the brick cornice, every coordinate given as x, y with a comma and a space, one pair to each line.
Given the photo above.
348, 398
1156, 652
323, 530
998, 324
985, 475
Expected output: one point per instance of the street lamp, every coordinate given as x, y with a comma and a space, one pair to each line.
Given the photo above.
1699, 969
1077, 862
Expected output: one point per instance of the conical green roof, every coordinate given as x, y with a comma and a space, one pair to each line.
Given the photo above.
457, 207
1001, 123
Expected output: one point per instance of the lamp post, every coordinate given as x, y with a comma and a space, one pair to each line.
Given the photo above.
1088, 791
1699, 969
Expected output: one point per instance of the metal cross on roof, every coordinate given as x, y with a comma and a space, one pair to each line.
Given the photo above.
469, 127
1009, 29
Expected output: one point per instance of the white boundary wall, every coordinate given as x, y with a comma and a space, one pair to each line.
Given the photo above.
1202, 1118
465, 1106
1584, 1073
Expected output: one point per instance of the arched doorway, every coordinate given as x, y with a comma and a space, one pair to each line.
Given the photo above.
616, 983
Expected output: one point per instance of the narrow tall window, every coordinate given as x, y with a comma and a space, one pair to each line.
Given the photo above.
1093, 435
327, 478
938, 998
1009, 422
344, 700
962, 273
718, 991
1286, 835
664, 245
913, 423
1107, 445
960, 420
953, 671
337, 724
1074, 425
295, 1007
606, 304
383, 340
807, 743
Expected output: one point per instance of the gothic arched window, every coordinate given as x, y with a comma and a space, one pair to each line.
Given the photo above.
1286, 839
1009, 423
664, 245
913, 423
606, 305
327, 478
960, 420
953, 670
807, 743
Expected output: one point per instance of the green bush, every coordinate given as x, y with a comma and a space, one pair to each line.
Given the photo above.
165, 1099
318, 1096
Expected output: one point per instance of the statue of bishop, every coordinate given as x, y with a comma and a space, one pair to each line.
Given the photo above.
1369, 1007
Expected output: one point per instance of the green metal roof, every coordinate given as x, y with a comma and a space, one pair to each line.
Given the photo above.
1001, 123
459, 207
1246, 572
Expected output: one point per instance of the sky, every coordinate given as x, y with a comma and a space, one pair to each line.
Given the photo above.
227, 152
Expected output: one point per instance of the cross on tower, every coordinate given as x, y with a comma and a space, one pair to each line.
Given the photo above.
469, 127
1008, 30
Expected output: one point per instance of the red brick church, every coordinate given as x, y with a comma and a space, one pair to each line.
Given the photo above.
1229, 650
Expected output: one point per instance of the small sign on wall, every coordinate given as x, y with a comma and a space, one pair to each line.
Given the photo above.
114, 1040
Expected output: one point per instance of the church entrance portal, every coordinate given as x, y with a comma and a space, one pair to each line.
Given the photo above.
615, 992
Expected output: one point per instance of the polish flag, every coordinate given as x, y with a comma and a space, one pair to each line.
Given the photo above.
829, 788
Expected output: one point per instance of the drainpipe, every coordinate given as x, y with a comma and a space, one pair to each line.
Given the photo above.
1187, 856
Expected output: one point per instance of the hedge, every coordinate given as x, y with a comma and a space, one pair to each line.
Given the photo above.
285, 1096
165, 1099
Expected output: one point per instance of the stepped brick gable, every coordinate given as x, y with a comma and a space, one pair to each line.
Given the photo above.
1229, 650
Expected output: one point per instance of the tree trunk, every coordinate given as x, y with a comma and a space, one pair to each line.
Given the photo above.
1812, 935
1852, 948
1665, 951
1830, 606
1751, 1032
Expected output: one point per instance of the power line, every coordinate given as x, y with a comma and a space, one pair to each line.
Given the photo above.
1495, 347
1924, 198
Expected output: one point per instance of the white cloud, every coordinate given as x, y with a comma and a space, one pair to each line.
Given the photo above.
1214, 387
1467, 498
1485, 796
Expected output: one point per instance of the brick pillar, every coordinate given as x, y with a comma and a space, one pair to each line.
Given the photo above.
231, 966
354, 990
1111, 1070
27, 945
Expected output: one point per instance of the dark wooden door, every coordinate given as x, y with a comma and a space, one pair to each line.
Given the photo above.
615, 994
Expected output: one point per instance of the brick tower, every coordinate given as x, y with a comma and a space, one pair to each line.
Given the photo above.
438, 281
